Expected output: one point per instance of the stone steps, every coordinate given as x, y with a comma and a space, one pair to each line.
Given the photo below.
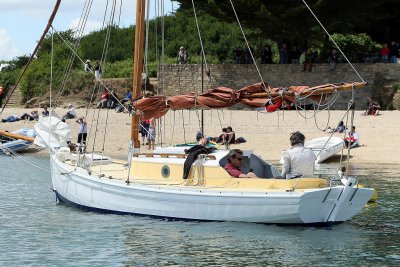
15, 99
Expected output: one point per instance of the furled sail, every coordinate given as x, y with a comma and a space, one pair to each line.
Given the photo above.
253, 96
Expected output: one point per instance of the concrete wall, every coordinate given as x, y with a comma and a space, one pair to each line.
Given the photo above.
178, 79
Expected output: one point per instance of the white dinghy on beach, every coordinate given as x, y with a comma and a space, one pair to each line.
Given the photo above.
325, 147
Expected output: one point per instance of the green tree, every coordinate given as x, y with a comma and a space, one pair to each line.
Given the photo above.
290, 21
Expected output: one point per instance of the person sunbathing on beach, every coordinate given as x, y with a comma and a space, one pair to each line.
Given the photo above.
340, 128
30, 117
11, 118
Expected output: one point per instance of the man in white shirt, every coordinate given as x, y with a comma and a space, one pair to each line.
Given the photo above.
352, 139
71, 113
298, 161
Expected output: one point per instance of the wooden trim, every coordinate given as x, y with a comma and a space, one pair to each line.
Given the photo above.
17, 136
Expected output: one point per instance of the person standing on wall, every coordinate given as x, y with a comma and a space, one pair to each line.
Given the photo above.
182, 55
2, 94
97, 70
88, 67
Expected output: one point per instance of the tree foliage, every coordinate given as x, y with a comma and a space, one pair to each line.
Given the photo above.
291, 22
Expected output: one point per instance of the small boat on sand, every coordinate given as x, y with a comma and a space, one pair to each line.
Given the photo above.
17, 140
325, 147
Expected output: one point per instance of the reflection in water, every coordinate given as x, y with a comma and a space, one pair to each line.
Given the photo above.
36, 231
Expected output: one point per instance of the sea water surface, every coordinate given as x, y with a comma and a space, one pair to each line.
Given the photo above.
37, 231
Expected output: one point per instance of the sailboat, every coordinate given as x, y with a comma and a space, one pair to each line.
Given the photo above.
152, 184
16, 141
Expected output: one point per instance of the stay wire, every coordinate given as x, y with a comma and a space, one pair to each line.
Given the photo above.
248, 46
51, 69
333, 41
323, 147
80, 29
34, 165
27, 161
200, 39
76, 54
103, 59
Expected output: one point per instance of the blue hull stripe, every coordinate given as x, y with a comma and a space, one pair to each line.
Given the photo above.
14, 147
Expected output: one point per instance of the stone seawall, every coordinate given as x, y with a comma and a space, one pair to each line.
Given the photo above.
177, 79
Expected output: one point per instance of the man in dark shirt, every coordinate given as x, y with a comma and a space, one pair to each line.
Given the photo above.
394, 52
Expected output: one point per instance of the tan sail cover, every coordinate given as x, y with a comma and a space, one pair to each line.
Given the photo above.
253, 96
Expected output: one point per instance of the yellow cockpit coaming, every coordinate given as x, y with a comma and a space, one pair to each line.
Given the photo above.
213, 176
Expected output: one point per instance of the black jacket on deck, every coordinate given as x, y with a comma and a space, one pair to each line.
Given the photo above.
194, 152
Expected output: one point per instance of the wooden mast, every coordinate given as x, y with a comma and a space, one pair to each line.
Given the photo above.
138, 67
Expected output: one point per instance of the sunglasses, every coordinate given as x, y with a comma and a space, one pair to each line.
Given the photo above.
240, 159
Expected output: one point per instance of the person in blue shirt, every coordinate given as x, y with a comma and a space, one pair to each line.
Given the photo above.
127, 97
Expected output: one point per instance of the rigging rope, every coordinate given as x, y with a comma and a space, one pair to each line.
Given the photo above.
350, 106
50, 21
200, 39
80, 30
330, 38
51, 69
248, 46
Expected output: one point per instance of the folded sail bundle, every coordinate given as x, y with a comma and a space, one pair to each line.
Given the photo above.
254, 96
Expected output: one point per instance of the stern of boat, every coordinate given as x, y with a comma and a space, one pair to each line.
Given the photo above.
334, 204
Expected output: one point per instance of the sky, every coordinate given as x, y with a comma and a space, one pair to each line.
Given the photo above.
22, 21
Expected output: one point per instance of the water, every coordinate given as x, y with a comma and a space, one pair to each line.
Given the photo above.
36, 231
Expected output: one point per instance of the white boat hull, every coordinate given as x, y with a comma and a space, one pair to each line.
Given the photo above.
298, 207
16, 145
325, 147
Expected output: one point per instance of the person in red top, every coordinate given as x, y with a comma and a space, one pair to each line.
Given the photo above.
385, 52
2, 94
235, 158
104, 99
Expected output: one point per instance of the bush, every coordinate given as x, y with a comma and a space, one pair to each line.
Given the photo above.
396, 100
355, 46
396, 96
396, 87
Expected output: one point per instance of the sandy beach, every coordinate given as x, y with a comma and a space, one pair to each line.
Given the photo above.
266, 133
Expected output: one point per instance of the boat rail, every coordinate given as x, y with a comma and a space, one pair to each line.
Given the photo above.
167, 155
